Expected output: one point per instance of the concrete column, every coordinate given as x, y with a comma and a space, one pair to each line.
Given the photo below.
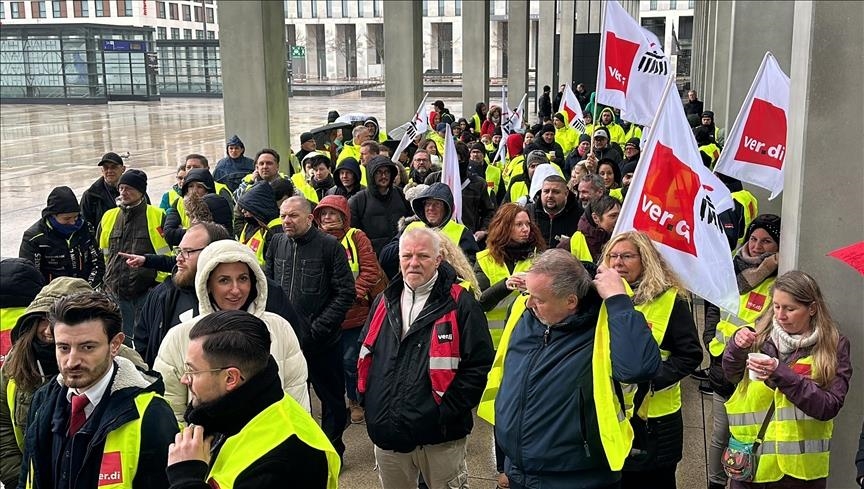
517, 51
475, 59
822, 197
254, 76
403, 64
697, 59
568, 25
546, 73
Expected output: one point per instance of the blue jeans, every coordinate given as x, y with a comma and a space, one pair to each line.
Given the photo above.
350, 354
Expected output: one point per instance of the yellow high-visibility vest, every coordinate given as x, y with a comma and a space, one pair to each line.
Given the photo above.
751, 210
8, 318
486, 408
579, 247
750, 306
173, 196
513, 168
256, 240
266, 431
616, 194
795, 443
304, 187
497, 272
352, 255
453, 230
155, 217
10, 401
493, 179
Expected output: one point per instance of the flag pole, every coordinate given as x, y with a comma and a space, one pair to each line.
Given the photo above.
599, 70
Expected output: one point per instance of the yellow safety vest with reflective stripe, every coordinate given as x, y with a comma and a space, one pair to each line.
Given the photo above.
657, 314
712, 151
155, 217
493, 179
795, 443
304, 187
266, 431
751, 210
579, 247
476, 123
8, 317
616, 194
486, 408
121, 451
185, 222
634, 132
257, 240
750, 306
453, 230
513, 168
497, 272
173, 196
352, 255
10, 401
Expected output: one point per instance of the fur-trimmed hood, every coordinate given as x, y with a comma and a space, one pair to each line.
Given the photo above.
229, 251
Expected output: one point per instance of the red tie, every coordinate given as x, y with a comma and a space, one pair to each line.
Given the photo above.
76, 421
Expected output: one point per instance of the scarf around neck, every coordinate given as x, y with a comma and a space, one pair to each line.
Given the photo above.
787, 344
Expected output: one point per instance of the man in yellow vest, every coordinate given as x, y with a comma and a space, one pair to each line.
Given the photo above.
260, 219
195, 160
101, 422
135, 227
570, 350
243, 429
434, 208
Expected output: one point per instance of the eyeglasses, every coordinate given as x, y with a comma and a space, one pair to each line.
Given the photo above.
188, 374
623, 256
185, 253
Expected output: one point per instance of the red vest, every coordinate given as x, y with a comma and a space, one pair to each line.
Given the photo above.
443, 350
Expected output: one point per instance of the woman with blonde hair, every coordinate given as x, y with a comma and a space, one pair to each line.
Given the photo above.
792, 391
454, 255
659, 295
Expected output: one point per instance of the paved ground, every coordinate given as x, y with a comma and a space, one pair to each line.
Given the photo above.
44, 146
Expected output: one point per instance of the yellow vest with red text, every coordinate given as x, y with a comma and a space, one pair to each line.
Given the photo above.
155, 216
8, 317
750, 306
256, 240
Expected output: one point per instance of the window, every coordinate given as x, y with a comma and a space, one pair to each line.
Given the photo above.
161, 33
37, 9
187, 13
175, 33
210, 18
344, 8
124, 8
80, 8
652, 5
160, 10
689, 3
376, 8
103, 8
199, 34
314, 9
441, 8
673, 4
2, 10
173, 11
359, 8
199, 14
187, 33
328, 7
458, 8
425, 8
211, 34
16, 9
58, 9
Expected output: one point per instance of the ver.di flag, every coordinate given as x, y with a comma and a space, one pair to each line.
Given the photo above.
417, 126
450, 174
632, 70
571, 107
676, 200
756, 147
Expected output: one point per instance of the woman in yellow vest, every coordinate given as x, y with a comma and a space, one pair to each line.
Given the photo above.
173, 193
755, 268
803, 374
655, 406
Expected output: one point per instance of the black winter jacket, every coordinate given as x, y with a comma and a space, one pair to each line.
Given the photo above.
401, 413
477, 205
54, 256
96, 200
49, 419
313, 271
562, 224
378, 214
20, 282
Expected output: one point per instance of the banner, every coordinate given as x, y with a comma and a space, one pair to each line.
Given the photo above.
632, 70
571, 107
450, 174
755, 149
676, 200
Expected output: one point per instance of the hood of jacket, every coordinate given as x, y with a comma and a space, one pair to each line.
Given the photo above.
438, 191
20, 282
373, 135
229, 251
220, 211
600, 117
515, 144
337, 203
260, 201
57, 288
351, 165
200, 175
61, 200
540, 174
235, 140
373, 166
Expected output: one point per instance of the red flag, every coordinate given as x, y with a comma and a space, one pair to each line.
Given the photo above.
852, 255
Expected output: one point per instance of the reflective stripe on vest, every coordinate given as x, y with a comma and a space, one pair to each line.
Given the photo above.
10, 402
616, 433
513, 168
657, 313
486, 408
795, 443
579, 247
444, 352
121, 451
8, 318
453, 230
262, 434
258, 239
351, 252
750, 306
155, 216
497, 272
751, 210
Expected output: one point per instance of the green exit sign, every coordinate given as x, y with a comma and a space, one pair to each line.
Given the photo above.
298, 52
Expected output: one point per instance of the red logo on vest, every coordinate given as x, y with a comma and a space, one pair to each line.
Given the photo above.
619, 60
755, 301
665, 209
803, 369
254, 243
111, 470
764, 139
5, 343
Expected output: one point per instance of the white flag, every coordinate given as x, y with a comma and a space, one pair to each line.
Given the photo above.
511, 122
756, 147
450, 174
417, 126
573, 109
632, 70
675, 200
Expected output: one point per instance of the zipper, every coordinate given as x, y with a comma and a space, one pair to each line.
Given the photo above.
293, 270
546, 335
583, 425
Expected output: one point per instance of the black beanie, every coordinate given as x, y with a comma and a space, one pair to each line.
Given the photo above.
560, 117
136, 179
769, 222
61, 200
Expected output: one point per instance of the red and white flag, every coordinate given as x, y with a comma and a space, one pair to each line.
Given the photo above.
450, 174
571, 107
417, 126
511, 121
756, 147
676, 200
632, 70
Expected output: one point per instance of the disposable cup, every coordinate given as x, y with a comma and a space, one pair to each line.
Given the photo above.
754, 375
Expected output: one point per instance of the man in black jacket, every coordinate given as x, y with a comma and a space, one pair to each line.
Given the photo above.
102, 195
377, 209
312, 269
418, 399
84, 424
556, 211
239, 411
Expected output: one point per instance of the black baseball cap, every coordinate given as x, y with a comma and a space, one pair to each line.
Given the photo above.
111, 158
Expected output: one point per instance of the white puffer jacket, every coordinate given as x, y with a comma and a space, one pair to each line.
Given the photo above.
285, 348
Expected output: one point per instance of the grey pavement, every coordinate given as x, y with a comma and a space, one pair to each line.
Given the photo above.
43, 146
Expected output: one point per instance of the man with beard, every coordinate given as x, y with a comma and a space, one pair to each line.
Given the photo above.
556, 212
545, 142
603, 148
102, 420
244, 431
421, 166
478, 164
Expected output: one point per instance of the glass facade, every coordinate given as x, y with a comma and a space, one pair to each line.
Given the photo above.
189, 68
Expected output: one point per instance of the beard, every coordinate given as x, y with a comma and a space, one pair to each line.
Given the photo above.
185, 278
82, 377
